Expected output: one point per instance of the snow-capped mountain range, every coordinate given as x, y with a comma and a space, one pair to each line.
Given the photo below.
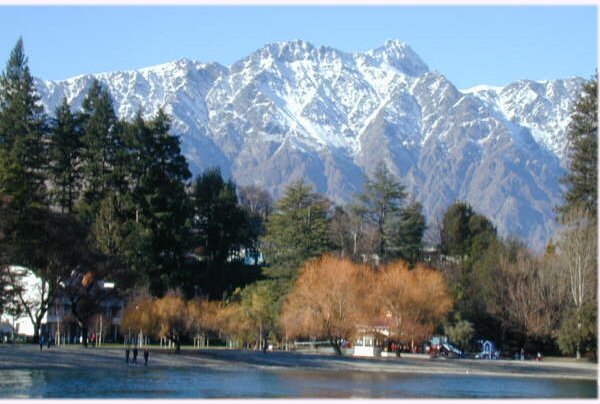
292, 110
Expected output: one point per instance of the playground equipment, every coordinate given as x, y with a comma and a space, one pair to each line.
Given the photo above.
451, 348
443, 344
488, 351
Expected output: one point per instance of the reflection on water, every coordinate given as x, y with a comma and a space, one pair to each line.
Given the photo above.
16, 381
203, 383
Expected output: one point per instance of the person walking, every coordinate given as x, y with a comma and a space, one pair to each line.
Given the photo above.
522, 354
49, 341
41, 342
127, 354
146, 354
135, 353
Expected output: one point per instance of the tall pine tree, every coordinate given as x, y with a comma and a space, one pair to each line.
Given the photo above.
455, 233
100, 146
405, 234
143, 215
23, 155
381, 204
297, 230
582, 178
65, 155
160, 202
222, 231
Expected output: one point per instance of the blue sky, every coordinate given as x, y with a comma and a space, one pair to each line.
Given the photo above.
470, 45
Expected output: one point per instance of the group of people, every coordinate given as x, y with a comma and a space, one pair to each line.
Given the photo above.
521, 355
48, 340
135, 355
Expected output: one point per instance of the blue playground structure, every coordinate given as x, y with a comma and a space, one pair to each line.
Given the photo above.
488, 351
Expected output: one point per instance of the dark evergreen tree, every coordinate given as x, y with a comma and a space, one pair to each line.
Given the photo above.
101, 144
455, 234
222, 235
297, 230
23, 155
466, 234
380, 204
143, 216
65, 158
160, 202
470, 241
582, 178
222, 225
7, 218
405, 234
482, 234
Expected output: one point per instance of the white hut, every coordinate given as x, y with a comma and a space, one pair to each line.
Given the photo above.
369, 343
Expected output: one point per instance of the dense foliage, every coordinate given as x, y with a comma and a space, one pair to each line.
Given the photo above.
86, 196
582, 178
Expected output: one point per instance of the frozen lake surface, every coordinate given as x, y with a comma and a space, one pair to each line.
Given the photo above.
139, 382
76, 372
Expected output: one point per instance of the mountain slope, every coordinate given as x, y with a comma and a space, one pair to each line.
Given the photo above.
292, 110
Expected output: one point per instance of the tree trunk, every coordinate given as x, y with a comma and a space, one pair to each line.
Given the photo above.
578, 347
336, 346
36, 329
84, 332
265, 346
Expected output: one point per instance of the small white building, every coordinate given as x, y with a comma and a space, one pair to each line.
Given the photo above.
368, 344
57, 321
369, 341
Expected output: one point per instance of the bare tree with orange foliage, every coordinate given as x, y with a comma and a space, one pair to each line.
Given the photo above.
139, 314
166, 317
172, 317
224, 318
327, 300
199, 313
413, 301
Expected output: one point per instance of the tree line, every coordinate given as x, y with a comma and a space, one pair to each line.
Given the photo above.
86, 196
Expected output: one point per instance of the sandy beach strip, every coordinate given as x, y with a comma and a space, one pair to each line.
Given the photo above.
78, 357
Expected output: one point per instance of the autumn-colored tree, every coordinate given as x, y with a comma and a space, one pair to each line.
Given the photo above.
326, 300
166, 317
225, 318
196, 317
233, 325
172, 317
212, 316
139, 315
413, 301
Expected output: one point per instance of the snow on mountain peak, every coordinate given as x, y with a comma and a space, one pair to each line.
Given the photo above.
291, 109
400, 56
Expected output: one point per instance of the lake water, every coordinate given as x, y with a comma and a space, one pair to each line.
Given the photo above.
142, 382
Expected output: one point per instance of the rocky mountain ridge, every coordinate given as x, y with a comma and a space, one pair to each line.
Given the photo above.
292, 110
